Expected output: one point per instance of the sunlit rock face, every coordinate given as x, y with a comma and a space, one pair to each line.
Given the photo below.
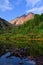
22, 19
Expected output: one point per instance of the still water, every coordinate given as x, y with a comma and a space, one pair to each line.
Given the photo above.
15, 60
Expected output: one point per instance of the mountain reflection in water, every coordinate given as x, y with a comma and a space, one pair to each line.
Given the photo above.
15, 60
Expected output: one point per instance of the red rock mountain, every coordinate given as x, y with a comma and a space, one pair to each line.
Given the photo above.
22, 19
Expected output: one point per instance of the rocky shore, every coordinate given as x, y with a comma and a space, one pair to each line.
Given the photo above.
19, 52
23, 53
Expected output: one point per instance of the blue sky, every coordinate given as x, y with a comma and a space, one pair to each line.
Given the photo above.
10, 9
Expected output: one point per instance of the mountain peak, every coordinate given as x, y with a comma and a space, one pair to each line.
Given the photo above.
22, 19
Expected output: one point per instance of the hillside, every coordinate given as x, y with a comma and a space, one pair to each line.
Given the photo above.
4, 25
33, 26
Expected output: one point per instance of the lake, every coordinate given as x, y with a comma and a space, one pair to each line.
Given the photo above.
15, 60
